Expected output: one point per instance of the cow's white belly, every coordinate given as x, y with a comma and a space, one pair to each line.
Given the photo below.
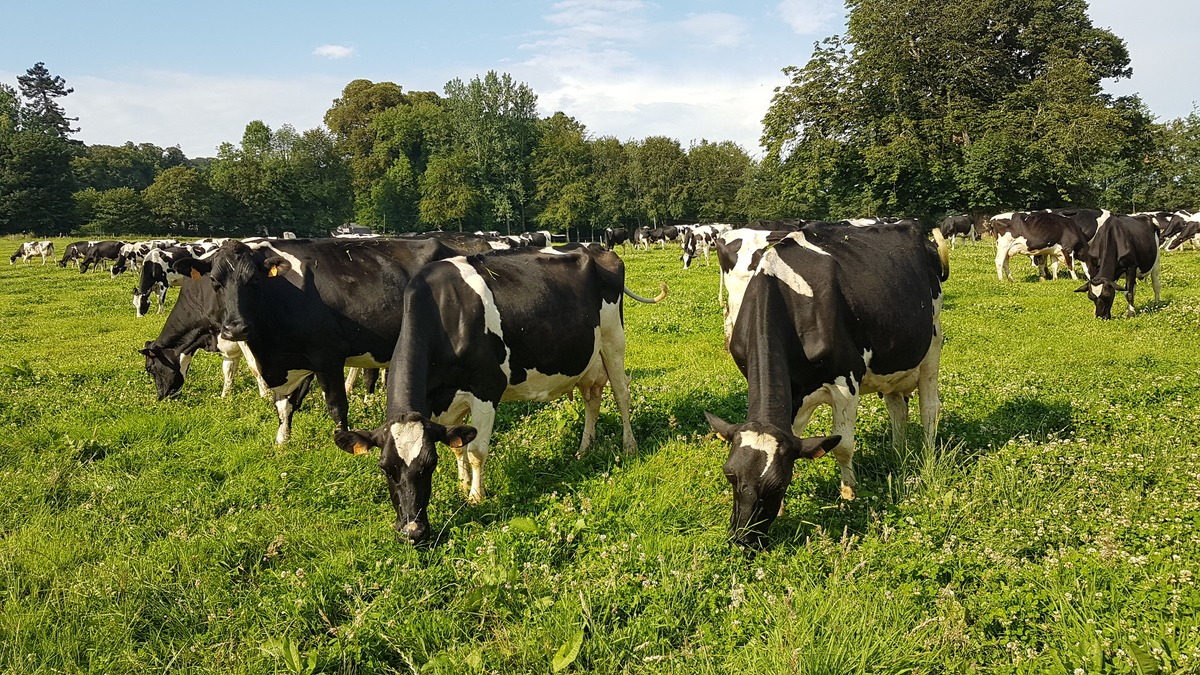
902, 382
547, 387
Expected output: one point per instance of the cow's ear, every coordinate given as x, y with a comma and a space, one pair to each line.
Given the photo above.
455, 437
722, 428
816, 446
191, 267
357, 442
1084, 287
276, 265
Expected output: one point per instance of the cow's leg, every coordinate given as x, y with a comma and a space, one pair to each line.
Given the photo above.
897, 407
1130, 282
264, 390
927, 383
845, 412
591, 394
1156, 276
351, 378
161, 292
1002, 261
483, 418
286, 405
612, 351
229, 366
457, 413
333, 382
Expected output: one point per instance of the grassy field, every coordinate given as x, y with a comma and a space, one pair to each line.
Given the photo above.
1053, 528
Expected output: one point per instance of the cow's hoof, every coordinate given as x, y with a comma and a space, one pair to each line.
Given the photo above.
847, 493
475, 499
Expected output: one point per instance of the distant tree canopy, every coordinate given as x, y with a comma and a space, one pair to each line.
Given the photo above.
926, 106
921, 108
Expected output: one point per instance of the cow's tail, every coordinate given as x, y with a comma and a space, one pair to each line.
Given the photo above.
648, 301
943, 252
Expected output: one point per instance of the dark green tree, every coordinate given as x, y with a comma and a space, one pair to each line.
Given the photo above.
716, 173
561, 173
658, 172
41, 90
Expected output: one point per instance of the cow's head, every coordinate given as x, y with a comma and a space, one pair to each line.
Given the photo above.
408, 456
689, 250
13, 259
165, 367
239, 279
1101, 291
759, 467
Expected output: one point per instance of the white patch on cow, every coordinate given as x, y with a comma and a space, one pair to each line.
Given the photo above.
862, 222
764, 443
1095, 289
773, 265
804, 243
491, 314
550, 250
498, 245
409, 438
257, 243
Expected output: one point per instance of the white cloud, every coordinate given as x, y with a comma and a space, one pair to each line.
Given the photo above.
195, 112
807, 17
614, 69
716, 29
334, 51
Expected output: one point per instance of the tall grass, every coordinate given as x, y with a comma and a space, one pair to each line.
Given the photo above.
1052, 527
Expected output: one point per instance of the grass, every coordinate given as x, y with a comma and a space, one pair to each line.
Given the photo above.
1052, 529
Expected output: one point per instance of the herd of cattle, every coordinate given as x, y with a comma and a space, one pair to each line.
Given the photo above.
816, 313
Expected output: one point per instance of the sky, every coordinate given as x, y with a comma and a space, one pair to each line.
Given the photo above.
193, 74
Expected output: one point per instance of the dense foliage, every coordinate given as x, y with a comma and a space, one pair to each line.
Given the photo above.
923, 107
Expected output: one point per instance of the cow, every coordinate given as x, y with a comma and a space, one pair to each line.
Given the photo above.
641, 238
136, 252
157, 275
306, 307
25, 251
698, 239
1123, 247
661, 235
511, 325
615, 236
1159, 219
953, 226
1088, 220
829, 314
100, 252
189, 328
1181, 227
1041, 233
75, 252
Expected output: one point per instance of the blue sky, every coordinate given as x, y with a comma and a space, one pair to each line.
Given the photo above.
194, 73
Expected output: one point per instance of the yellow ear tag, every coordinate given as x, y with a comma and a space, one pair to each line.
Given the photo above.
455, 442
195, 274
274, 272
819, 454
360, 448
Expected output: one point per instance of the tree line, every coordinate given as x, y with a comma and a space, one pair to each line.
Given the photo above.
923, 107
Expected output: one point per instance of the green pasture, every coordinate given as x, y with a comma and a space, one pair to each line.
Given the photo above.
1052, 529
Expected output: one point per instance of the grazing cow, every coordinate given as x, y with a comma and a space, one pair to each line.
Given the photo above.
476, 330
75, 252
306, 307
953, 226
157, 275
661, 235
1181, 227
641, 238
830, 314
615, 236
1123, 247
1159, 219
189, 328
25, 251
1037, 234
100, 252
700, 237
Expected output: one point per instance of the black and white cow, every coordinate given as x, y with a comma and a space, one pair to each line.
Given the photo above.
699, 239
954, 226
100, 253
25, 251
134, 254
1123, 247
829, 314
530, 325
75, 252
1159, 219
189, 328
157, 275
1041, 233
615, 236
1181, 228
641, 238
306, 307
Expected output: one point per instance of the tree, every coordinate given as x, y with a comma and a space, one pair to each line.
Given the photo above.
716, 173
493, 123
36, 183
447, 192
610, 185
561, 172
119, 211
40, 89
658, 175
928, 105
181, 200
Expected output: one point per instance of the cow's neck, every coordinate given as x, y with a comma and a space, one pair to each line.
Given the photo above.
769, 386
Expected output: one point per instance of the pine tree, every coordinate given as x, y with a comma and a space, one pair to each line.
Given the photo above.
40, 89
